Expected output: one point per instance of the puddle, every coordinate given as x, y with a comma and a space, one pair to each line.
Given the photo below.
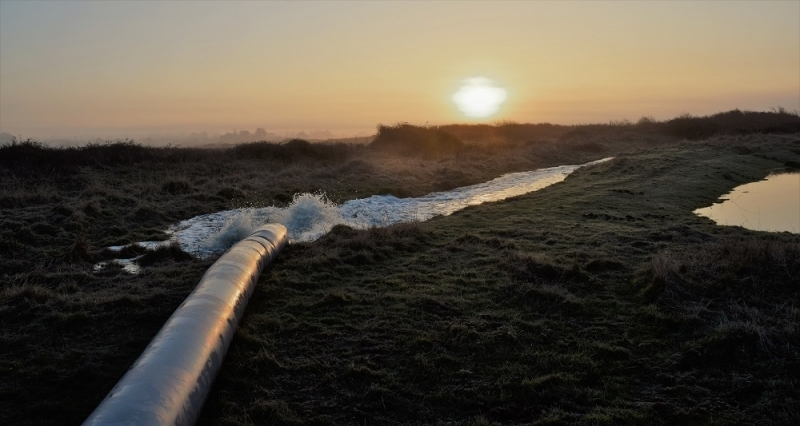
772, 205
311, 216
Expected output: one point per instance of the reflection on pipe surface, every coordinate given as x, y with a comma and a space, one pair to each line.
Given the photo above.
169, 382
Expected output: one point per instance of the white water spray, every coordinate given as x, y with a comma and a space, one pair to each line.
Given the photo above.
311, 216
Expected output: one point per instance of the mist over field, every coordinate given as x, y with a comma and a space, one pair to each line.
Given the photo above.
200, 139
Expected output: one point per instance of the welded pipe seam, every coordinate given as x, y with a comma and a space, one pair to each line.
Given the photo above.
169, 382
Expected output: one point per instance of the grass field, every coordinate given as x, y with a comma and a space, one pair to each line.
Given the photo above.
599, 300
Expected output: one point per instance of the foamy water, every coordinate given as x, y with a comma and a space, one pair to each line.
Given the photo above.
311, 216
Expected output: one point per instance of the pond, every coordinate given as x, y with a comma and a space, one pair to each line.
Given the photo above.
772, 205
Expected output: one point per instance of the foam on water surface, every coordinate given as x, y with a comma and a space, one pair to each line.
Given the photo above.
128, 265
311, 216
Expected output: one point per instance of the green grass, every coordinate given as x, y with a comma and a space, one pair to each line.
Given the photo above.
599, 300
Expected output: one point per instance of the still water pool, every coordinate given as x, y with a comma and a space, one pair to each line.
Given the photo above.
772, 204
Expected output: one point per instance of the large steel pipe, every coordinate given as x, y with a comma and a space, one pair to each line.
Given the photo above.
169, 382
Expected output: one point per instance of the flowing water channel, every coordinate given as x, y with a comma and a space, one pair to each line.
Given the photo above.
311, 216
772, 204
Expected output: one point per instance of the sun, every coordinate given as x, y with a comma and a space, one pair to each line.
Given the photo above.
479, 97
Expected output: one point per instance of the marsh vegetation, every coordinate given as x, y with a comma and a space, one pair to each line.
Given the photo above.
599, 300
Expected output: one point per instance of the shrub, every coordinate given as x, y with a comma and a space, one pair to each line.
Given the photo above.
505, 132
405, 139
29, 156
294, 150
692, 128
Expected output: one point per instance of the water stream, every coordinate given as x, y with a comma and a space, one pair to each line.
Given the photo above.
311, 216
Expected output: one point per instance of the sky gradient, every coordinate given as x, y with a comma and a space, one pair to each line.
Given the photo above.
117, 69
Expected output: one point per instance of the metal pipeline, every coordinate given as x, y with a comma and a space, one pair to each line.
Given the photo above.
169, 382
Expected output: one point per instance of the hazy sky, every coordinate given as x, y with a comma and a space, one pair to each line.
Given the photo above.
117, 69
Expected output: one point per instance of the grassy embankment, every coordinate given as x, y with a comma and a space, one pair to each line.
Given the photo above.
600, 299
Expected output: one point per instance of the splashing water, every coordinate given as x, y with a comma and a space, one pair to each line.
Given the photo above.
311, 216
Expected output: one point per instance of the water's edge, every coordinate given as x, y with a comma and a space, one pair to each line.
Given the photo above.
311, 216
771, 204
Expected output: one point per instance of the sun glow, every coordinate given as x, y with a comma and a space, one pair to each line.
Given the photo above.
479, 97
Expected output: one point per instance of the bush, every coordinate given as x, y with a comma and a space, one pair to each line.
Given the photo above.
692, 128
505, 132
294, 150
29, 156
408, 140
